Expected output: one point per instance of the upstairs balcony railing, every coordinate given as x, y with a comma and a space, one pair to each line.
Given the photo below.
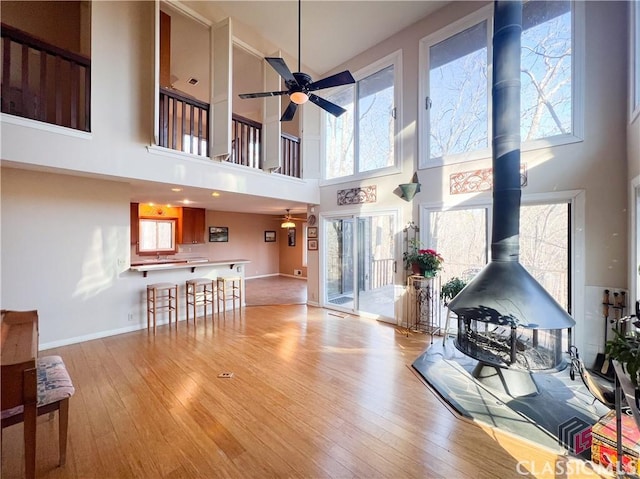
43, 82
290, 155
246, 142
184, 122
184, 126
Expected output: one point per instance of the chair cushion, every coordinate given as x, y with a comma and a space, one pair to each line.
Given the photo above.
54, 383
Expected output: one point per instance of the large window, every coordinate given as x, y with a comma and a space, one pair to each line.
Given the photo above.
457, 103
456, 83
461, 236
363, 139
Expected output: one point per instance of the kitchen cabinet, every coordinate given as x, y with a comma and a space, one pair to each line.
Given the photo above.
191, 230
134, 223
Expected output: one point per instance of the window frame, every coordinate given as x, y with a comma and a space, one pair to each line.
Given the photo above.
174, 236
394, 59
634, 61
486, 14
577, 279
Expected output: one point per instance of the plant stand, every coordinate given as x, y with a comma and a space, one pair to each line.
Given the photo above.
424, 311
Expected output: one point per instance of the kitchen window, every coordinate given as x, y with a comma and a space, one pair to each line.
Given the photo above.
157, 236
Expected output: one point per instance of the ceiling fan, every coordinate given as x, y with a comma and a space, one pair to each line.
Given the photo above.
288, 220
299, 85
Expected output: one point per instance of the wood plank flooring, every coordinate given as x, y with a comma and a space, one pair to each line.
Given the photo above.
272, 290
314, 394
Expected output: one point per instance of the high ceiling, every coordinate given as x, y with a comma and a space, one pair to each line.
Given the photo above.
332, 32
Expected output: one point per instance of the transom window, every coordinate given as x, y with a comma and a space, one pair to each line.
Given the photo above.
362, 140
456, 84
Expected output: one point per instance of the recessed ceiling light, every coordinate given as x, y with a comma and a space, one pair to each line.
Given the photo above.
176, 189
215, 194
186, 202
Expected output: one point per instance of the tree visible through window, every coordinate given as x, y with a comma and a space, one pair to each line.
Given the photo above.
457, 82
363, 138
458, 93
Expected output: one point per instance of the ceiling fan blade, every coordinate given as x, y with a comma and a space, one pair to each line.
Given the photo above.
281, 67
262, 94
342, 78
326, 105
289, 112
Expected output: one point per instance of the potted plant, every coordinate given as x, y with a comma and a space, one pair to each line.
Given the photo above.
625, 348
425, 262
451, 288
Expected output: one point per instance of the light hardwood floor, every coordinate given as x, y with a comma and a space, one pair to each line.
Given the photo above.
314, 394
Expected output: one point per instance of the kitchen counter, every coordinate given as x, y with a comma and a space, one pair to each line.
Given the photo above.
145, 266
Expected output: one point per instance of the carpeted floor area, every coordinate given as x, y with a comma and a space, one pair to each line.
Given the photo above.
560, 404
272, 290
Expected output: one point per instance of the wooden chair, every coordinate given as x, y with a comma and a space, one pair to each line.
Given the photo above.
54, 388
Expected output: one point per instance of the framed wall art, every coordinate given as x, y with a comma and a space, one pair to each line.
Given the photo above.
312, 232
218, 234
269, 236
312, 244
291, 235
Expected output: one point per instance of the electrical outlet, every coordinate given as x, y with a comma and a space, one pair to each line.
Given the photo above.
130, 318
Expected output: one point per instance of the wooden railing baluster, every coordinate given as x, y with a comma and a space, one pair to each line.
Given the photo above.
30, 95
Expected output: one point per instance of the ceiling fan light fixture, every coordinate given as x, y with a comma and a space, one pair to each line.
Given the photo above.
299, 97
288, 224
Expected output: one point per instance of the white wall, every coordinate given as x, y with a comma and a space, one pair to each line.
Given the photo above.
62, 238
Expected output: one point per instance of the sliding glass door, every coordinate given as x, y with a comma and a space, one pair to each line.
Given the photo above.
360, 264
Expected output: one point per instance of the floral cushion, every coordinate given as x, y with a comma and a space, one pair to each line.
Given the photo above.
54, 383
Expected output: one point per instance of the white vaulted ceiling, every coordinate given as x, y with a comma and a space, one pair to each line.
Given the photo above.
332, 31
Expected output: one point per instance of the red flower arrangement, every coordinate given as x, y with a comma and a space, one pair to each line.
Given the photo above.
427, 261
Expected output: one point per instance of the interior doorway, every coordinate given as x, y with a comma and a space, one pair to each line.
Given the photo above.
359, 260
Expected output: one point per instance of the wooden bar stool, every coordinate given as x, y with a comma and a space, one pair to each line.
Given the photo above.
200, 292
161, 297
229, 287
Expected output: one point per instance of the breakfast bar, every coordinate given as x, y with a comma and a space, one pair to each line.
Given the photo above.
146, 266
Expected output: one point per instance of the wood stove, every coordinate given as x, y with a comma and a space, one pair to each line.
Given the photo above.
506, 319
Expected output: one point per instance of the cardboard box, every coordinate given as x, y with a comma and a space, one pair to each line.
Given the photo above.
604, 450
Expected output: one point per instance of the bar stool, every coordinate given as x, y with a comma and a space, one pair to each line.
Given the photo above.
229, 287
200, 292
161, 297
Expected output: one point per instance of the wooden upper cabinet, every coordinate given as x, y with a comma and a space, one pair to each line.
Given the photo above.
134, 223
191, 228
